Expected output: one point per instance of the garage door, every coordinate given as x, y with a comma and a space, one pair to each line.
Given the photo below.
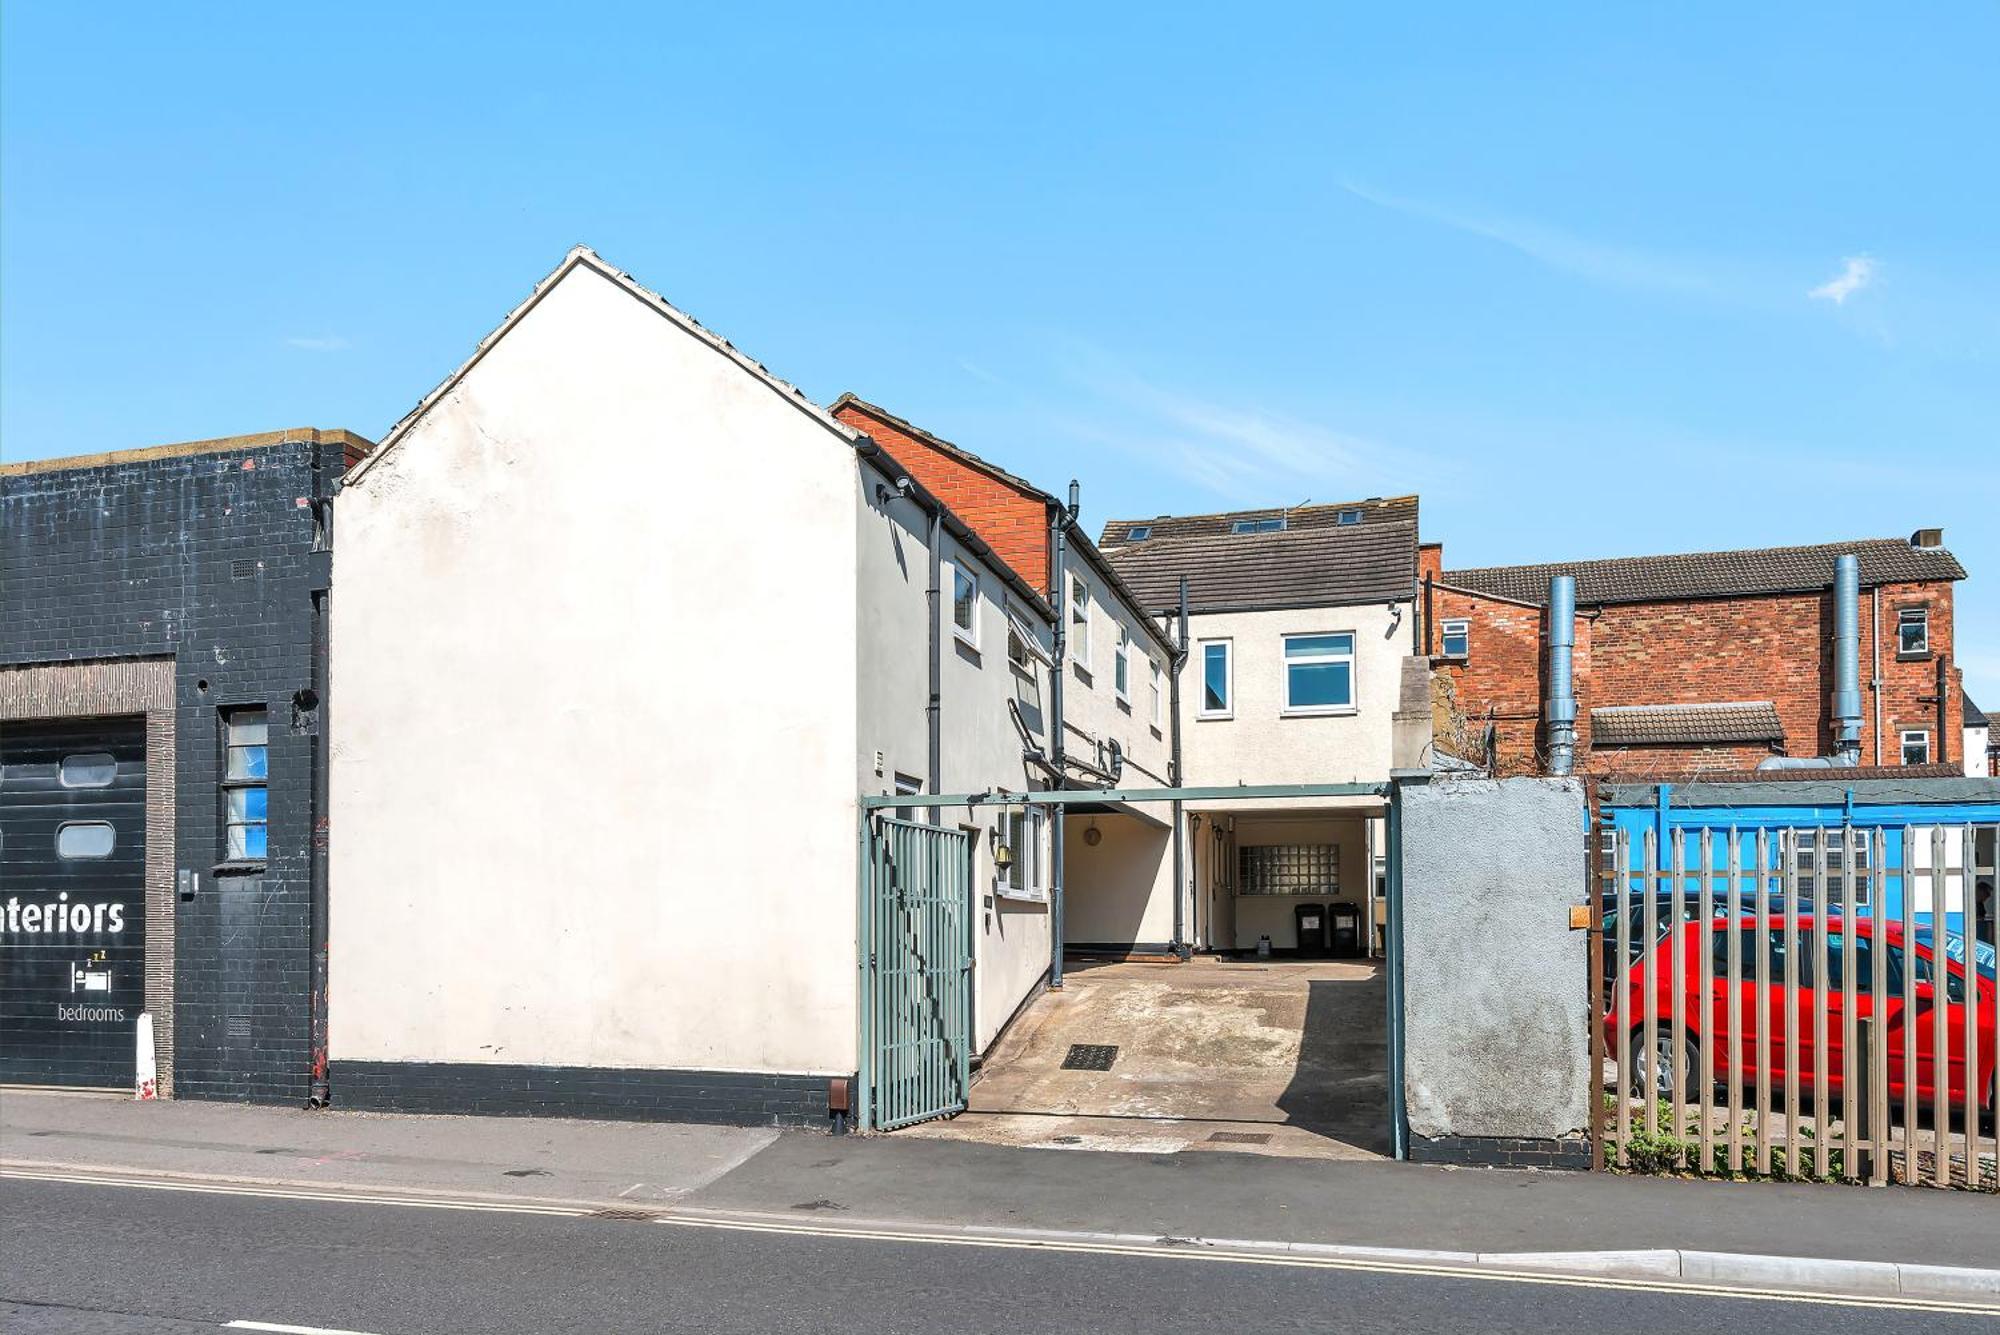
72, 900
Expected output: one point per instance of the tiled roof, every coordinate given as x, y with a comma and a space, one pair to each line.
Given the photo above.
1639, 579
1688, 724
1376, 509
1373, 561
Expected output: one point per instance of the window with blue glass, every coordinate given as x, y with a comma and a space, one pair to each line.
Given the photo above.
1217, 689
1319, 673
246, 793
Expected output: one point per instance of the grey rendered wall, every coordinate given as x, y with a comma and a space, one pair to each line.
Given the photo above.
1496, 983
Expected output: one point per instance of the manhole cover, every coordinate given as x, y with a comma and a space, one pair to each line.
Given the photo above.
1239, 1137
1090, 1056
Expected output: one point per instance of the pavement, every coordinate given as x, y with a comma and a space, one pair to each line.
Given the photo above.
1277, 1057
80, 1258
966, 1192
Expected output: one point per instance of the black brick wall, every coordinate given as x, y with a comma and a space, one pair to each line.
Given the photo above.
1500, 1152
207, 558
729, 1098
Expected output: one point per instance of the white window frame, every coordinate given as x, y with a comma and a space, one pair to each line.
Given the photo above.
1445, 632
1153, 684
1228, 647
1079, 627
1919, 734
1922, 615
1121, 667
1021, 829
1286, 662
967, 635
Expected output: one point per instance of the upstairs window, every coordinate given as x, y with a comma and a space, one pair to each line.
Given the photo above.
1319, 673
1455, 638
1153, 684
1258, 525
92, 769
1347, 517
1218, 688
1916, 748
965, 604
1138, 532
246, 794
1913, 631
1079, 622
1121, 667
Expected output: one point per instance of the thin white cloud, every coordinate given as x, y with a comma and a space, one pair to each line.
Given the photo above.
1242, 454
1618, 266
1856, 272
321, 343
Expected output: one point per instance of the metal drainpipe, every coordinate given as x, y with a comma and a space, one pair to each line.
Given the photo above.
934, 705
1399, 1121
1875, 678
1847, 660
319, 1090
1562, 684
1182, 946
1058, 542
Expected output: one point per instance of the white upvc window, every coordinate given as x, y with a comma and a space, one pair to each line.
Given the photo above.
1079, 621
1916, 747
1156, 697
1121, 667
965, 604
1319, 673
1455, 638
1021, 835
1913, 631
1218, 678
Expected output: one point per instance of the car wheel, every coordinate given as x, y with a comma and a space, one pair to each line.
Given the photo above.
1653, 1069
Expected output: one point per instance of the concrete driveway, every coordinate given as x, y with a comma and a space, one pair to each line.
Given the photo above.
1271, 1057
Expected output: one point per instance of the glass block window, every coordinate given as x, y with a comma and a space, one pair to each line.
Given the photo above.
1289, 869
1803, 845
245, 783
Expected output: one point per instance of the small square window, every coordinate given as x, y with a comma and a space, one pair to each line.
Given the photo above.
965, 604
1138, 532
1348, 517
1913, 630
1455, 638
1916, 748
1258, 525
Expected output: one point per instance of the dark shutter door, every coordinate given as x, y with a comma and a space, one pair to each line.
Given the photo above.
72, 900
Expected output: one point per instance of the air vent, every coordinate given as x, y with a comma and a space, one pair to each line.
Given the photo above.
236, 1027
1927, 537
242, 569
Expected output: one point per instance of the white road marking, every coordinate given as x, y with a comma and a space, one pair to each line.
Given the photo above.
294, 1193
1195, 1251
289, 1330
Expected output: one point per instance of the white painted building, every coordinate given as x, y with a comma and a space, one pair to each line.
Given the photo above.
1302, 630
623, 624
1978, 741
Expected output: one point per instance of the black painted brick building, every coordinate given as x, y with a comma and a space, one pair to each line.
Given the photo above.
213, 557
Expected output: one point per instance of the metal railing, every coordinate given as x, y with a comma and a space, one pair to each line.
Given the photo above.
916, 972
1799, 1002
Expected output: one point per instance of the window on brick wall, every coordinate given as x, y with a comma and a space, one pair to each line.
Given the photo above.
1913, 631
1455, 638
246, 793
1916, 748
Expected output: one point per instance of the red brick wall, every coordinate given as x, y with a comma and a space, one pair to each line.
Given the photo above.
1014, 523
1773, 647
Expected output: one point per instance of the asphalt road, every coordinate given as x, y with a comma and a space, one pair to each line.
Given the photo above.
76, 1258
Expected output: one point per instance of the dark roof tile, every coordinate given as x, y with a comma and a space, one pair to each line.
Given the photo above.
1686, 724
1373, 561
1639, 579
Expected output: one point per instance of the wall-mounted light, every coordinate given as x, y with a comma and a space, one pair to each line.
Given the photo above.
1003, 857
1092, 835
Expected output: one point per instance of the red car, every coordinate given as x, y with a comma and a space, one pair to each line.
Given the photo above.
1847, 943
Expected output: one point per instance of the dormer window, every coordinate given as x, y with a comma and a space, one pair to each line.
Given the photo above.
1138, 532
1276, 525
1347, 517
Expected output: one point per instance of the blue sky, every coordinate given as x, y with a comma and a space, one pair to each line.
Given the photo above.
1593, 282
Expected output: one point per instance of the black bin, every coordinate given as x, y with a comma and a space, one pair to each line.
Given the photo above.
1311, 923
1344, 931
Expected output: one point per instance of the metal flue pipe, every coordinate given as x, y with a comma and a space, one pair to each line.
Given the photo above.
1846, 661
1562, 674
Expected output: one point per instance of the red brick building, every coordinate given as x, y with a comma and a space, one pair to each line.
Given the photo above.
1709, 661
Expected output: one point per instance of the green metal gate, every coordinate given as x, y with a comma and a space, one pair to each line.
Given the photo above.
916, 972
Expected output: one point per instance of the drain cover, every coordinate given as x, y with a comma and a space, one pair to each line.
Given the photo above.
629, 1213
1239, 1137
1090, 1057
